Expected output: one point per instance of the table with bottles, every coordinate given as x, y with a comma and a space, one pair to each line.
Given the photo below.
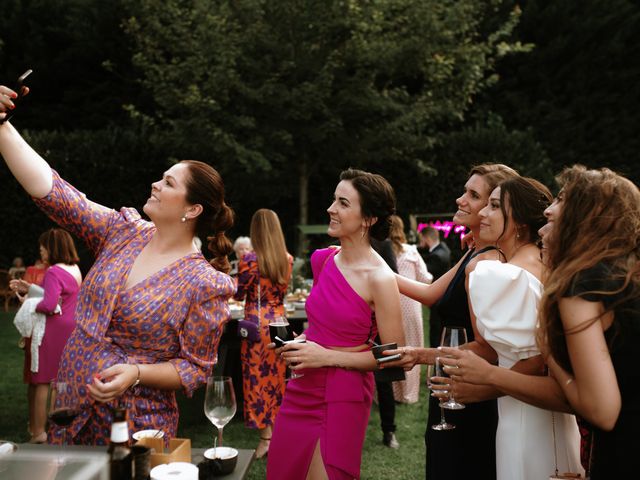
32, 461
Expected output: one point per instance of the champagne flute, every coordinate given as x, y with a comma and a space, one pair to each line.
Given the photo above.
63, 406
436, 371
453, 337
219, 403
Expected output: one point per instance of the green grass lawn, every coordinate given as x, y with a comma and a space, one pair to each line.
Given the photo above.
378, 462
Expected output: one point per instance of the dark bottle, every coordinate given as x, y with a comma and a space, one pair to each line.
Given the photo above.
120, 458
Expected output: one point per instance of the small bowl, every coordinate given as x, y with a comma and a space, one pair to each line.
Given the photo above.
223, 463
148, 434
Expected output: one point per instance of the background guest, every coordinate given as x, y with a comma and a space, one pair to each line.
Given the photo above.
410, 265
437, 256
263, 277
17, 268
241, 246
61, 286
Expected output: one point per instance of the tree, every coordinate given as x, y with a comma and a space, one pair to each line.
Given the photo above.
292, 88
577, 90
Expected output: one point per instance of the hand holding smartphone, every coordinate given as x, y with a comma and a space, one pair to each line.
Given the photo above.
19, 90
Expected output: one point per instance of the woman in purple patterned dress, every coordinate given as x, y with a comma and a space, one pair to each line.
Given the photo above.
151, 310
263, 372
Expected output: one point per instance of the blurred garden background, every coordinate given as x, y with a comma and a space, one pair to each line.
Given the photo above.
280, 96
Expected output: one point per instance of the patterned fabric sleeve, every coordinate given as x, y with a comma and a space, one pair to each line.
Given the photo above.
201, 331
71, 209
247, 273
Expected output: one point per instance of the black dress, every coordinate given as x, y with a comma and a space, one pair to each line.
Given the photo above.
468, 451
614, 453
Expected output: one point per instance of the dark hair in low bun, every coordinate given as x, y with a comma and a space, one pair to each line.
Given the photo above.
377, 199
205, 187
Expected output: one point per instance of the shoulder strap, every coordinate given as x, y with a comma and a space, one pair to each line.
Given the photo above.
486, 249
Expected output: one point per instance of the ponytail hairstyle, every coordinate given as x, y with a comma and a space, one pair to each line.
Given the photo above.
205, 187
59, 246
377, 200
268, 243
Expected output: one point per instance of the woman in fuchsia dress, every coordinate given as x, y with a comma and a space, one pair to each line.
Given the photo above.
151, 310
323, 418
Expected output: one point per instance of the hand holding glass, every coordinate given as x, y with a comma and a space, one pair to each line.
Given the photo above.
453, 337
219, 403
436, 371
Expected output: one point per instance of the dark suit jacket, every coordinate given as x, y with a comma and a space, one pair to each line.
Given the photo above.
439, 261
385, 250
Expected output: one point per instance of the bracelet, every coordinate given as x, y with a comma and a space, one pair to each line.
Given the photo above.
137, 382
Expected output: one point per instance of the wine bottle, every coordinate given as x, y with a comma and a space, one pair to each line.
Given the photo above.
120, 458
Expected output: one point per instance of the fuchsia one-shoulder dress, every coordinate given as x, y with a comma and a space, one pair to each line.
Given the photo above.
327, 405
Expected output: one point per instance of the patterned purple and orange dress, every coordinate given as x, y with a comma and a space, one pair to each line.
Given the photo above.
328, 405
175, 315
263, 372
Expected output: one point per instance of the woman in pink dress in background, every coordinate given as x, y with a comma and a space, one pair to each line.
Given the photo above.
322, 422
61, 285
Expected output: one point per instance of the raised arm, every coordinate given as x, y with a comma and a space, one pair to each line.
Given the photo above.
423, 293
29, 168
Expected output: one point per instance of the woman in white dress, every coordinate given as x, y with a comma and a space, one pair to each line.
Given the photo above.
504, 298
411, 265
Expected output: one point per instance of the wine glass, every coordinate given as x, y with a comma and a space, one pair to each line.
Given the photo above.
219, 403
436, 371
280, 331
453, 337
63, 406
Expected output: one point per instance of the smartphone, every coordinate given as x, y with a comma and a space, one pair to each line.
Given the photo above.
389, 358
18, 90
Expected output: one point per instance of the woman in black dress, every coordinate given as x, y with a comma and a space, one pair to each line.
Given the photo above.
469, 450
590, 311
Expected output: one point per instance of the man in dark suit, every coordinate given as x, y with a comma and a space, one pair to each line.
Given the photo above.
437, 256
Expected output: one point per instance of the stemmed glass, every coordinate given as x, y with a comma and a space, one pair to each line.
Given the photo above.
63, 406
219, 403
280, 331
436, 371
453, 337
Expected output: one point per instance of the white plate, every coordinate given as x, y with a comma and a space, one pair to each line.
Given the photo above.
220, 452
148, 434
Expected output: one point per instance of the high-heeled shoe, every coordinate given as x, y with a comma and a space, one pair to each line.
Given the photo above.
263, 447
40, 438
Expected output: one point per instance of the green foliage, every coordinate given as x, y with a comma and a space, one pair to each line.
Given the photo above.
292, 91
92, 160
577, 89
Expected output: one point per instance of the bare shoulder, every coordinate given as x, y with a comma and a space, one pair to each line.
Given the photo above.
382, 276
488, 255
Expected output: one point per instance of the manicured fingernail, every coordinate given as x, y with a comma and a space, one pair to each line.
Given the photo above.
12, 106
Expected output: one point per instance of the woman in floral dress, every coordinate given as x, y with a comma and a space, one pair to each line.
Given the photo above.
151, 310
263, 372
